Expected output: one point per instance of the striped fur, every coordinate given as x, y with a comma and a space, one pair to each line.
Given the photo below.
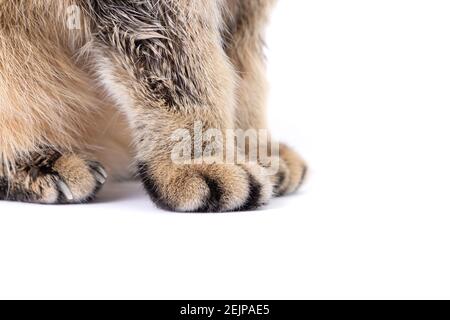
115, 88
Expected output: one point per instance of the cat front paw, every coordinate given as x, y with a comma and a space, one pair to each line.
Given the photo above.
206, 187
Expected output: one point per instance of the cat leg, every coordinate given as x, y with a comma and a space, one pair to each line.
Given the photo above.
164, 63
46, 106
243, 38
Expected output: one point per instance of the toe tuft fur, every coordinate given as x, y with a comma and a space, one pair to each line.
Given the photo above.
207, 187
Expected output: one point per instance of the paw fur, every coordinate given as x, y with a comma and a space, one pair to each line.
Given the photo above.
208, 187
292, 172
54, 178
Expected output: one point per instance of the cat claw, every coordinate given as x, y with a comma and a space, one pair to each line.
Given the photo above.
99, 173
65, 190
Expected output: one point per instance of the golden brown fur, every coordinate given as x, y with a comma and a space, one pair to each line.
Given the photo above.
119, 86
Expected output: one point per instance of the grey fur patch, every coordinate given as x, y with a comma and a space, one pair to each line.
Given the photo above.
153, 37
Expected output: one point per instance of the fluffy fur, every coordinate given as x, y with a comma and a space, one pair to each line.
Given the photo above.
115, 89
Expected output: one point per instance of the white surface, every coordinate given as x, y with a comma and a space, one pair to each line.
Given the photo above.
361, 88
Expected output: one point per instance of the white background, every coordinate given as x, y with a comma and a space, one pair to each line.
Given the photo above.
361, 89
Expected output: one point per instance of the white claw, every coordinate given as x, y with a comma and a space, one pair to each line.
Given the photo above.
65, 190
99, 177
102, 172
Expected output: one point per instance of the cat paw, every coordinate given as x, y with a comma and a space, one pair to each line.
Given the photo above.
53, 178
291, 173
207, 187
